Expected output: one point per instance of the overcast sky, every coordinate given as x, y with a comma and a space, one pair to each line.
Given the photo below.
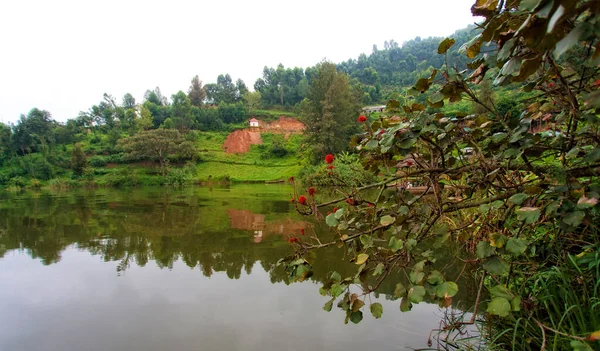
62, 55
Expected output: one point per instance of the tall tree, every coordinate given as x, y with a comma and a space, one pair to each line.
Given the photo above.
330, 111
181, 111
252, 100
242, 89
78, 160
196, 93
128, 101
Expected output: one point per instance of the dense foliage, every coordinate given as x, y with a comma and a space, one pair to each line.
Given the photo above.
519, 191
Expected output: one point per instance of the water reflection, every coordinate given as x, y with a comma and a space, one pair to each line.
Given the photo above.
151, 238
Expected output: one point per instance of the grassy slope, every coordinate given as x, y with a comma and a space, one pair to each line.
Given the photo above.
256, 165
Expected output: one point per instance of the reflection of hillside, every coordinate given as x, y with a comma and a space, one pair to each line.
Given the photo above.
247, 220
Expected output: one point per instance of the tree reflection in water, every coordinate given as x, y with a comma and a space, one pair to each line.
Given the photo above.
216, 230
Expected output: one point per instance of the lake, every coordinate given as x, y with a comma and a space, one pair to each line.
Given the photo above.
179, 269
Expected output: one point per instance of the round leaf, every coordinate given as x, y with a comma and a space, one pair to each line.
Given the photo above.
362, 258
499, 306
377, 310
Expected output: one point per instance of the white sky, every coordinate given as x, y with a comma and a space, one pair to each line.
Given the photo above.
62, 55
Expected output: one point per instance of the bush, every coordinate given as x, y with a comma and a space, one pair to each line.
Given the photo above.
341, 175
18, 182
97, 161
122, 177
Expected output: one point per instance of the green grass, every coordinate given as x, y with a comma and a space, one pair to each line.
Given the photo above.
242, 173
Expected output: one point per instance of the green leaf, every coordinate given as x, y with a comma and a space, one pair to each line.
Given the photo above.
377, 310
400, 291
331, 220
357, 305
416, 276
577, 345
328, 305
574, 219
568, 41
362, 258
516, 246
372, 144
498, 137
403, 210
339, 213
484, 249
407, 143
405, 304
356, 317
416, 294
501, 291
435, 278
366, 241
499, 306
515, 304
336, 277
445, 45
529, 214
511, 66
379, 269
496, 265
498, 240
336, 290
518, 199
395, 244
387, 220
446, 289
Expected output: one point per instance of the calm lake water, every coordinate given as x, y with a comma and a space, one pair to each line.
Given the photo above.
167, 269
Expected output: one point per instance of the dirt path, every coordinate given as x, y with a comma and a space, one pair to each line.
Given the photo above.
240, 141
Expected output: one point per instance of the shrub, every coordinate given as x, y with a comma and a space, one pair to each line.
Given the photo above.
97, 161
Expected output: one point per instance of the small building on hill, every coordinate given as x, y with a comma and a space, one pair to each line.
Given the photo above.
370, 109
253, 122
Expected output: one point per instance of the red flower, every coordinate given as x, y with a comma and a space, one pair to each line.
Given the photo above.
311, 191
302, 231
350, 201
329, 158
328, 213
335, 209
293, 200
362, 118
597, 83
302, 200
382, 132
329, 167
370, 204
291, 179
292, 240
551, 85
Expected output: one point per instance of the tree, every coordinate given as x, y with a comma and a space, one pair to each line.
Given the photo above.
158, 145
78, 160
330, 111
196, 92
242, 89
128, 101
252, 100
33, 132
145, 120
523, 199
181, 111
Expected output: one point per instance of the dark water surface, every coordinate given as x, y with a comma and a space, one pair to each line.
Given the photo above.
165, 269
